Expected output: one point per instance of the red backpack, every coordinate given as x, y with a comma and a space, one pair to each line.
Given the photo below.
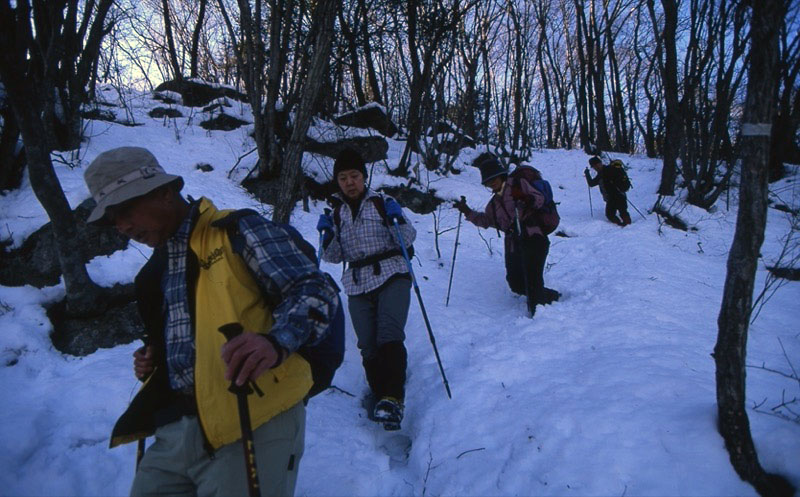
546, 217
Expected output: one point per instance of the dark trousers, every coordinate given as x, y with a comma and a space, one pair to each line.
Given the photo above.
527, 256
614, 204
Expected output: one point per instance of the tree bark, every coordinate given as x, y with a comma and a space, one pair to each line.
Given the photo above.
198, 29
668, 64
291, 172
784, 148
171, 52
372, 77
349, 35
734, 316
83, 295
11, 165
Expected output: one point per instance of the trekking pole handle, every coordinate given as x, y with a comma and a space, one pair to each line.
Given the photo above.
231, 331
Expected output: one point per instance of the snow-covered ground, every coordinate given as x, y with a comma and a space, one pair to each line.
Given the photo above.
608, 392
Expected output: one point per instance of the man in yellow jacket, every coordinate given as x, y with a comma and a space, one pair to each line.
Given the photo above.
195, 282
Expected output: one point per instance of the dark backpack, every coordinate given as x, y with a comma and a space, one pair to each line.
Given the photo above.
621, 180
326, 356
546, 217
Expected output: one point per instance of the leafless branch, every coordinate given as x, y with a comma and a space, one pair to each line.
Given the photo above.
487, 242
470, 450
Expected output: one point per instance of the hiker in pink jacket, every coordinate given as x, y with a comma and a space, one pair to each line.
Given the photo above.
516, 209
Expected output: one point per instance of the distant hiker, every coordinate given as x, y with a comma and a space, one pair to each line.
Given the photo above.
516, 198
195, 282
376, 280
614, 182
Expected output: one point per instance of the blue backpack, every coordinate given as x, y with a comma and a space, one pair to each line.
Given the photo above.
546, 217
326, 356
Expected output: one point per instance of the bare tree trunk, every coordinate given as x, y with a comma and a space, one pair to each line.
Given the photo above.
280, 25
581, 103
83, 295
291, 172
372, 77
784, 148
173, 54
11, 164
734, 316
198, 29
349, 35
673, 139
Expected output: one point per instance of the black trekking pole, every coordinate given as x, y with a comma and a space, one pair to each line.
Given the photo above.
321, 238
524, 265
629, 202
230, 331
591, 209
455, 249
140, 446
421, 306
634, 207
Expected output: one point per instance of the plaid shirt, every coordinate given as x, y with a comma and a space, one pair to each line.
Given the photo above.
303, 301
178, 331
364, 236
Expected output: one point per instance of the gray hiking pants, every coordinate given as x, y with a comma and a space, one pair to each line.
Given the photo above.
177, 464
379, 316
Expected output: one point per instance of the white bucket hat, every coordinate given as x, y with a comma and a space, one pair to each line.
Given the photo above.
121, 174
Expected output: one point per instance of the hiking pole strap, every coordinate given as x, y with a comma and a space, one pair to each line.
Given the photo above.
422, 307
455, 250
230, 331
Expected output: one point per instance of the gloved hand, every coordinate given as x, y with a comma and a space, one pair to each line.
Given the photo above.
393, 210
325, 227
325, 223
462, 206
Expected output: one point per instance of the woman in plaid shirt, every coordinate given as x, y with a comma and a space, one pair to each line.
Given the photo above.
376, 280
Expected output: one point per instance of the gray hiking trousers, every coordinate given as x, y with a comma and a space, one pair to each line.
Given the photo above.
177, 464
379, 316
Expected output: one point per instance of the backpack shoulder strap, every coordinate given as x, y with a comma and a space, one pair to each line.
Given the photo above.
380, 206
231, 224
337, 211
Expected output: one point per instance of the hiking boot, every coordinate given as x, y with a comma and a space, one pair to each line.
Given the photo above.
389, 411
616, 220
626, 219
547, 296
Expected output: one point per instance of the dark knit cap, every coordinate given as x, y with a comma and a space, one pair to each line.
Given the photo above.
349, 159
489, 166
595, 160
